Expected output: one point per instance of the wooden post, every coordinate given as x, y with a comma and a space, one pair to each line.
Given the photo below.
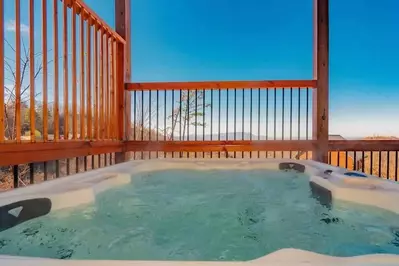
123, 74
2, 110
320, 72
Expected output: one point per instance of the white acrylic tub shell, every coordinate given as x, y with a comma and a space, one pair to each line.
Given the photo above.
82, 188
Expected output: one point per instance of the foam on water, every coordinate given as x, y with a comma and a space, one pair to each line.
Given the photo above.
205, 215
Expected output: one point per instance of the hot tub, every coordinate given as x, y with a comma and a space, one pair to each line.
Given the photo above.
203, 212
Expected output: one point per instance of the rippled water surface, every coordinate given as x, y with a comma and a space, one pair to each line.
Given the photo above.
205, 215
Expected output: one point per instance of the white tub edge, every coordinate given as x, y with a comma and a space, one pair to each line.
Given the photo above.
286, 257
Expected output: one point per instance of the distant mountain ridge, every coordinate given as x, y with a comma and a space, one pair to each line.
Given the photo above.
228, 136
233, 136
249, 136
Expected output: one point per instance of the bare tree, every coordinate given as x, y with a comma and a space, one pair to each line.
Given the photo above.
188, 112
11, 101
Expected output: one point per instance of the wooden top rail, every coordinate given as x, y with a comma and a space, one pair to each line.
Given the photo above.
18, 153
261, 145
265, 84
220, 145
363, 145
88, 12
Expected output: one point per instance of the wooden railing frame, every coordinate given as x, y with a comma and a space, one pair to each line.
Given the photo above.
363, 145
319, 83
90, 14
123, 74
220, 85
260, 145
22, 153
87, 22
220, 145
321, 75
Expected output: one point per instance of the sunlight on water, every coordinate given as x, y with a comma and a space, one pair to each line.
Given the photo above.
205, 215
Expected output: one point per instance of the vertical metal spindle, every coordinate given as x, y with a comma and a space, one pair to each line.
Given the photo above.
354, 161
99, 160
371, 162
379, 163
188, 119
388, 165
227, 119
307, 118
196, 117
362, 161
134, 118
235, 118
250, 118
291, 101
142, 120
329, 158
45, 170
92, 162
346, 159
275, 119
77, 165
85, 163
57, 168
242, 121
299, 115
16, 175
396, 166
157, 120
105, 159
67, 167
149, 120
267, 119
203, 119
173, 121
338, 159
282, 118
211, 119
31, 173
180, 120
307, 113
219, 117
258, 119
149, 114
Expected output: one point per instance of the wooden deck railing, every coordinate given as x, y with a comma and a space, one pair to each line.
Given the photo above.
60, 90
83, 88
67, 103
375, 157
225, 115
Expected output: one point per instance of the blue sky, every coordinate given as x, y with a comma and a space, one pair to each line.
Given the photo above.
198, 40
249, 40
